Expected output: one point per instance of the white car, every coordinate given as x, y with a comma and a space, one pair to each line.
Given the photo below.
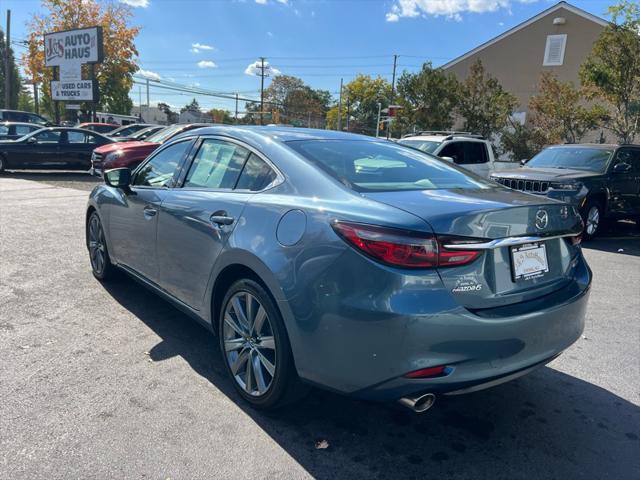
472, 152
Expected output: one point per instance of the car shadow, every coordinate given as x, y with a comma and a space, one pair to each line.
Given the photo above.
621, 237
48, 175
545, 425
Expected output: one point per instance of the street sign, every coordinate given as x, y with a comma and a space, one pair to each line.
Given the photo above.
74, 91
82, 45
71, 72
72, 106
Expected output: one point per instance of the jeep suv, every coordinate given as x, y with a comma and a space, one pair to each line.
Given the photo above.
602, 181
472, 152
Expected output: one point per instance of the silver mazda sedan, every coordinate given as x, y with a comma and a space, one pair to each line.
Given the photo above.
343, 261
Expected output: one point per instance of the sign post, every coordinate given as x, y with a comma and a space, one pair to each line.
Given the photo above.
66, 52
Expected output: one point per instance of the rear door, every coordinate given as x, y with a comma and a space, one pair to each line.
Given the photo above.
625, 186
133, 217
197, 219
76, 151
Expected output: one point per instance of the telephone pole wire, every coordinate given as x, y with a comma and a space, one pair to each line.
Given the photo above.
261, 90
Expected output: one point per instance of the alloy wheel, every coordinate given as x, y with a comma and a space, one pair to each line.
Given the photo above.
593, 220
97, 250
249, 344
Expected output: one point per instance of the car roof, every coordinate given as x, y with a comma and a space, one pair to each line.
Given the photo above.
586, 145
26, 124
281, 134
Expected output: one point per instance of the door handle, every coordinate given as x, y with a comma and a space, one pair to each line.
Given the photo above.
221, 218
149, 211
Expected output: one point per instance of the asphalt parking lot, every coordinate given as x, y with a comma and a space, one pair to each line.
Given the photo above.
112, 382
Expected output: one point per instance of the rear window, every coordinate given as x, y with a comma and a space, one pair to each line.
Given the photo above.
379, 166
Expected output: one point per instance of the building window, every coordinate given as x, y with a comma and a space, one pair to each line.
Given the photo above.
554, 50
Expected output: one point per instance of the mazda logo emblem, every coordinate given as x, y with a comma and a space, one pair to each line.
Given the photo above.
542, 219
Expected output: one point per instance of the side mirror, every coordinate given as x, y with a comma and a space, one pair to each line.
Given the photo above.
118, 177
32, 140
523, 162
621, 168
448, 159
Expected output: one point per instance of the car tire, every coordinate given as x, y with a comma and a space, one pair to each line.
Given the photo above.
255, 347
592, 216
101, 265
2, 164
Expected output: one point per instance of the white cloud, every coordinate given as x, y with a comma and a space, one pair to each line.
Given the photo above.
446, 8
198, 47
148, 74
136, 3
261, 2
284, 2
270, 34
207, 64
254, 69
264, 2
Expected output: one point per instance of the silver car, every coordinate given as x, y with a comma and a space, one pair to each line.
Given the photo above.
346, 262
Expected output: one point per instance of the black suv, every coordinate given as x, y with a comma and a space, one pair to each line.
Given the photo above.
25, 117
602, 181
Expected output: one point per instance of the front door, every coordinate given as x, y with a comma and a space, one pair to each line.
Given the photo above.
197, 219
41, 150
625, 185
134, 217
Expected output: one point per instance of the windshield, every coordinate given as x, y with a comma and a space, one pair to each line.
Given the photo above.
366, 165
424, 145
124, 131
578, 158
162, 135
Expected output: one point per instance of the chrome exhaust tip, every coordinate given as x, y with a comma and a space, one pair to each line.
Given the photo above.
419, 403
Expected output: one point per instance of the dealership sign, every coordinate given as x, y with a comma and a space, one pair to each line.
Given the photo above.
74, 91
73, 46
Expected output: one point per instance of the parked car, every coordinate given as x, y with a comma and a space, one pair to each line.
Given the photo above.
127, 130
472, 152
51, 148
24, 117
601, 181
103, 128
15, 130
348, 262
131, 154
140, 134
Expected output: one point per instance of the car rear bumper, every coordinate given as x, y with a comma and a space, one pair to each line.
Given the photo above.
365, 344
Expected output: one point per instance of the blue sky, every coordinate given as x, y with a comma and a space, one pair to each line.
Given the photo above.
210, 43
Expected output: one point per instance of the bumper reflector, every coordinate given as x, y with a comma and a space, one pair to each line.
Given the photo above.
429, 372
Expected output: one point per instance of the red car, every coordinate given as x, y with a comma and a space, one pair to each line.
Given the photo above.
131, 154
99, 127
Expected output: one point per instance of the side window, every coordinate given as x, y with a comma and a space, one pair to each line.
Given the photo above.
4, 130
48, 136
216, 165
256, 175
453, 150
24, 129
76, 137
160, 169
474, 153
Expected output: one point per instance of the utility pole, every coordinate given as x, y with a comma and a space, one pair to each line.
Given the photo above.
393, 93
7, 64
261, 90
348, 111
378, 122
140, 103
36, 104
236, 117
147, 98
340, 108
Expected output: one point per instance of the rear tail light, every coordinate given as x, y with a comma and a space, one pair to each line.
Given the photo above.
429, 372
403, 248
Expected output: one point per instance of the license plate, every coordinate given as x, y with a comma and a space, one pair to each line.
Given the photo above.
529, 261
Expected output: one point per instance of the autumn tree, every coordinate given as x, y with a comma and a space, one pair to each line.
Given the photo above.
360, 99
560, 112
292, 101
482, 102
428, 97
220, 115
114, 75
612, 70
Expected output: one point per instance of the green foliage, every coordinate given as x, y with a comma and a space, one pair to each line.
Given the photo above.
559, 111
428, 98
520, 141
360, 99
612, 71
15, 77
483, 103
193, 106
172, 117
220, 115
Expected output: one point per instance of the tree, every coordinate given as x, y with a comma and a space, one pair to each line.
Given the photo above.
25, 98
114, 75
15, 77
559, 111
172, 117
193, 106
428, 98
292, 101
360, 99
220, 115
612, 70
483, 103
521, 141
